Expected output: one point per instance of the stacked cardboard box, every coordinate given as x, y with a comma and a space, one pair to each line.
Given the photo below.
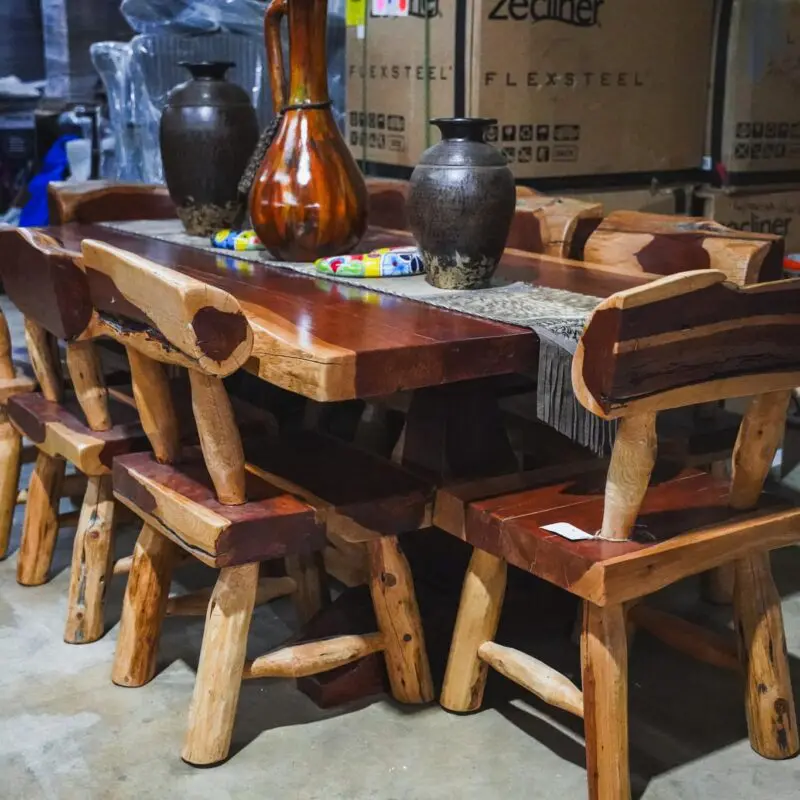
754, 120
579, 87
760, 210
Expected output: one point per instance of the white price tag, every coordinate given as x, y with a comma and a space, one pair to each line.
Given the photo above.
567, 531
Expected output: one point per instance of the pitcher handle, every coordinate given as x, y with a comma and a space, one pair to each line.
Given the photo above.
276, 11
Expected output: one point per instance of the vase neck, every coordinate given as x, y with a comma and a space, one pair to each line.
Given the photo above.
308, 62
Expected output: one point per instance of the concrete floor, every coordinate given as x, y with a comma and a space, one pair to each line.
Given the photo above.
66, 732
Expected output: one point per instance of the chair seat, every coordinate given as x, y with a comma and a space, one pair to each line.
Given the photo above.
685, 526
58, 429
179, 501
360, 495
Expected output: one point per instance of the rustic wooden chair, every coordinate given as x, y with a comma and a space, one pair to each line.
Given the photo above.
664, 244
684, 339
12, 381
102, 201
44, 282
232, 515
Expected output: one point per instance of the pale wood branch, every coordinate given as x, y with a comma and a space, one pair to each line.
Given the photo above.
153, 398
219, 437
195, 604
632, 462
43, 362
91, 564
534, 675
311, 658
478, 617
86, 374
219, 673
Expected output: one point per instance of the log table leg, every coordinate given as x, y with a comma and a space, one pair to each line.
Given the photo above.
219, 673
92, 564
457, 431
771, 716
397, 613
604, 657
144, 608
451, 431
40, 528
10, 462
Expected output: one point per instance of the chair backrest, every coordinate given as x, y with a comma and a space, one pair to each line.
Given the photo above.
46, 283
555, 226
164, 317
686, 339
664, 245
103, 201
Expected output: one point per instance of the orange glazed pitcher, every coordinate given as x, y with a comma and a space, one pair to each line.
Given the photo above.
309, 199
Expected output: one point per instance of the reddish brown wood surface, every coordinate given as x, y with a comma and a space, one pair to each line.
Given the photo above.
350, 342
97, 201
44, 283
32, 413
691, 332
272, 524
509, 526
369, 490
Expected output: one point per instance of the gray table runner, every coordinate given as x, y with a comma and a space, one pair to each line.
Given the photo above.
557, 316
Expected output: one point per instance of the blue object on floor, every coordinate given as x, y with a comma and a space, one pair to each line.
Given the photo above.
54, 168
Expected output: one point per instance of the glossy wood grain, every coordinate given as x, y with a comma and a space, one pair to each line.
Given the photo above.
97, 201
309, 199
685, 339
328, 341
677, 513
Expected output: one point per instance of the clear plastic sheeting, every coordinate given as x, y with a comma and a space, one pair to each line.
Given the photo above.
139, 75
69, 27
243, 17
195, 16
112, 62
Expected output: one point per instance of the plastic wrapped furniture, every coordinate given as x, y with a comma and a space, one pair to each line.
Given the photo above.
155, 69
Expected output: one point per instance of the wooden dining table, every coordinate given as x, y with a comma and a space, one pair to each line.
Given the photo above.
327, 341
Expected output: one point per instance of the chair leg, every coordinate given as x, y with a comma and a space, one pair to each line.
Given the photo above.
144, 607
396, 610
771, 716
10, 462
477, 621
40, 527
91, 564
308, 572
604, 662
219, 673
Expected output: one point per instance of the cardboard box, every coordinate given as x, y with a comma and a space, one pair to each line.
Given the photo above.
580, 87
773, 210
755, 113
660, 200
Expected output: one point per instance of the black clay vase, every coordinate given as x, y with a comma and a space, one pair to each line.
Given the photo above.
209, 129
460, 205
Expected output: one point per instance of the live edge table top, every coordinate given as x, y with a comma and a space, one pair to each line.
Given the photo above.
329, 341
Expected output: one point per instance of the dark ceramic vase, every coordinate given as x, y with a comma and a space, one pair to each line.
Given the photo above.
209, 129
460, 205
